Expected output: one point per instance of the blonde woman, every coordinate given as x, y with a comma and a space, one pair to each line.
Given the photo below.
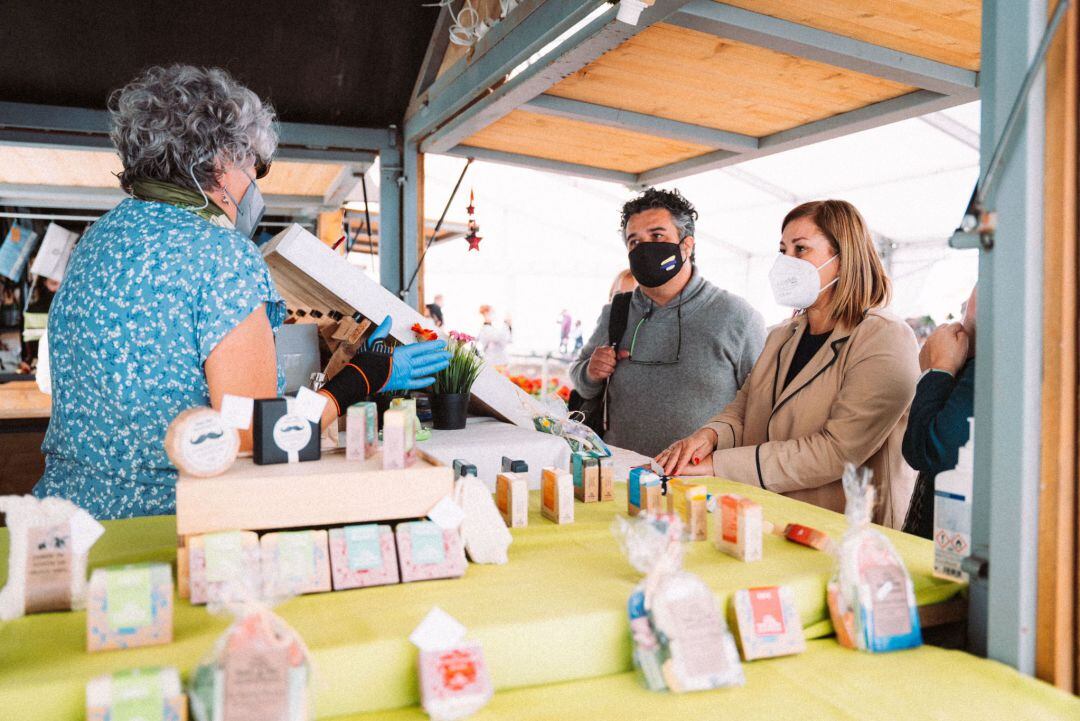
833, 384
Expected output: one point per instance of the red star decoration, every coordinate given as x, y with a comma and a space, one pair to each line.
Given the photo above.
471, 209
474, 242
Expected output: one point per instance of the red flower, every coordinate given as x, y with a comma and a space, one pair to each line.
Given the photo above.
564, 393
423, 333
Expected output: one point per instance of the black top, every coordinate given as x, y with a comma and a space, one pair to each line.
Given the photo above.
808, 347
436, 312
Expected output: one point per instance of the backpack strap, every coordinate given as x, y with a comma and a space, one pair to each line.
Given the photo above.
619, 317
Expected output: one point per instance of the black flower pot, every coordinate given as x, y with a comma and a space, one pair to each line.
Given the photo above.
449, 410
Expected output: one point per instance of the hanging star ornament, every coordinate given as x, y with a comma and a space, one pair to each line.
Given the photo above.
473, 239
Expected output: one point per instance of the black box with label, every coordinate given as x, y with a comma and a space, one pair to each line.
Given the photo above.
276, 433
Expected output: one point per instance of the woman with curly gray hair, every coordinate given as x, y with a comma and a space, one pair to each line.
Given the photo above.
167, 304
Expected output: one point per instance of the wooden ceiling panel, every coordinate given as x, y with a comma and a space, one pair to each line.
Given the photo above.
27, 165
948, 31
572, 141
698, 78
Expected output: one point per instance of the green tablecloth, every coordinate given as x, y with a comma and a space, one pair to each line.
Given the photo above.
827, 683
555, 613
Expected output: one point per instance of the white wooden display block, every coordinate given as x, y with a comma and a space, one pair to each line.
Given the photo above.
331, 491
309, 274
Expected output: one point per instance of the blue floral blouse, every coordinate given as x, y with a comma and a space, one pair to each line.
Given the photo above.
149, 292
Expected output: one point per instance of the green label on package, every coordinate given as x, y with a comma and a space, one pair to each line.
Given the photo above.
137, 696
224, 553
296, 555
128, 601
426, 540
363, 547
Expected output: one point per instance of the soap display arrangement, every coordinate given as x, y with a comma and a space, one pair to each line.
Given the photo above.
260, 668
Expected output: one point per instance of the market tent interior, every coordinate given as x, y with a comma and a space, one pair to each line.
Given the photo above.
586, 89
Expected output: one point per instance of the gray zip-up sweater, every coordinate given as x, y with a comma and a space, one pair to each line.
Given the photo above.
651, 406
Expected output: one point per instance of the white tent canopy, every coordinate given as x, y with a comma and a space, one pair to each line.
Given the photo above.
552, 242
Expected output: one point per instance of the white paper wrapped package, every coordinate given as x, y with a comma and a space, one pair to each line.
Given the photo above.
142, 693
50, 539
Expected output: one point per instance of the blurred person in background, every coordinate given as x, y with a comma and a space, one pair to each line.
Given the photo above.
494, 339
624, 283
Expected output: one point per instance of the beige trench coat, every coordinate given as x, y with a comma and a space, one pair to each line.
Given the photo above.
849, 404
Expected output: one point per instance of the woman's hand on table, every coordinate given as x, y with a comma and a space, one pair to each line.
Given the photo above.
689, 454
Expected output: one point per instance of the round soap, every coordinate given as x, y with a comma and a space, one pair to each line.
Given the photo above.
199, 444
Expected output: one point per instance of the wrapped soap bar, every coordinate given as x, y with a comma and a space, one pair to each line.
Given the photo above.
809, 537
409, 406
399, 439
871, 597
427, 552
682, 497
361, 431
483, 530
606, 478
129, 606
512, 498
640, 478
146, 694
768, 622
557, 495
454, 680
363, 555
586, 470
281, 434
224, 566
685, 634
49, 540
258, 670
737, 527
294, 562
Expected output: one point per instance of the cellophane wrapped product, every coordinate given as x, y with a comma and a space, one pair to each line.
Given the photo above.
258, 670
871, 597
681, 640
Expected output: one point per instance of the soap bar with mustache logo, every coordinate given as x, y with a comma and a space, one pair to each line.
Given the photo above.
199, 443
282, 435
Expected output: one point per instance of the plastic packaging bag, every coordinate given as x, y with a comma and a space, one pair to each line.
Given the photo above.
581, 438
258, 670
50, 539
871, 597
483, 531
681, 641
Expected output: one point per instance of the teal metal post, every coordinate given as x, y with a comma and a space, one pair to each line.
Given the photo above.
390, 270
1009, 348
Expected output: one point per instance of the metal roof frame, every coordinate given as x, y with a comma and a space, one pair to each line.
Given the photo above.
478, 92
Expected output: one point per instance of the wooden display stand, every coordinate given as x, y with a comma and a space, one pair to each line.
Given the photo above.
309, 275
330, 492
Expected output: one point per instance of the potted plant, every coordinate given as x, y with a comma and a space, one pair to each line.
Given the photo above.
452, 390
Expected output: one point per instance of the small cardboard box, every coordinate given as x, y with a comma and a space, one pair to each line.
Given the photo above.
282, 435
361, 431
557, 495
129, 606
295, 562
399, 438
427, 551
681, 497
586, 470
512, 499
768, 622
607, 478
737, 527
363, 555
226, 565
128, 694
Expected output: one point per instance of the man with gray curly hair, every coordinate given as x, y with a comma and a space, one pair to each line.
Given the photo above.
167, 304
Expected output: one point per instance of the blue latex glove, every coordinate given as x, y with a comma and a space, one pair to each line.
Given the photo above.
413, 366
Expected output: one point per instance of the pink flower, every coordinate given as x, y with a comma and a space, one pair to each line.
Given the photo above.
461, 337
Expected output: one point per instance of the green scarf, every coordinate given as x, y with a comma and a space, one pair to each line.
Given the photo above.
160, 191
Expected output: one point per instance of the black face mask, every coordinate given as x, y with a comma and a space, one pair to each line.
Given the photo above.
653, 264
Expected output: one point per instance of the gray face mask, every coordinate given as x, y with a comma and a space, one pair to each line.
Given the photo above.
249, 209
